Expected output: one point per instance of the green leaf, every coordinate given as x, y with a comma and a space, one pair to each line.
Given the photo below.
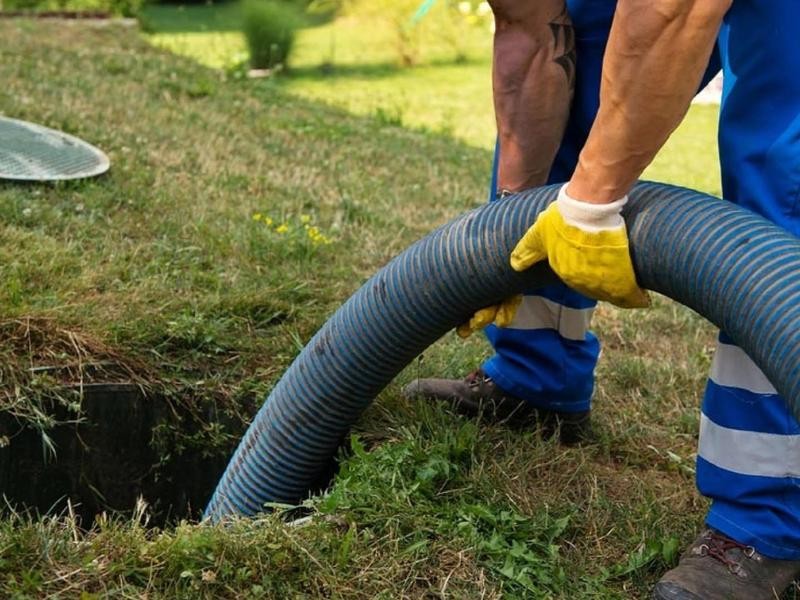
413, 548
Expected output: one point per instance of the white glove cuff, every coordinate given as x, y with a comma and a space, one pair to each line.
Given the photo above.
588, 216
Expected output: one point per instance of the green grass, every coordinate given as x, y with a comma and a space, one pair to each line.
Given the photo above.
159, 271
211, 34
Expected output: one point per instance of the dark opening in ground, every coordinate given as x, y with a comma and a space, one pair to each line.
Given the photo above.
126, 444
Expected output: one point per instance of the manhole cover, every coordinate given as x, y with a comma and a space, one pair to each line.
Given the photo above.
31, 152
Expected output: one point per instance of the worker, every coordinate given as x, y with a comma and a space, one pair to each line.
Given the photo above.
586, 93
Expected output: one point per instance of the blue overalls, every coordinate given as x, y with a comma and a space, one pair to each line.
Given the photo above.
749, 450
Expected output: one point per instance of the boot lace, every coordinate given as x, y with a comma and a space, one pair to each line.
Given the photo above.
477, 377
717, 546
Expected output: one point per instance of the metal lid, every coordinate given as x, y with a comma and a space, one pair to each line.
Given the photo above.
30, 152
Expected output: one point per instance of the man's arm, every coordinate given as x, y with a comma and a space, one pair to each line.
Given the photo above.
656, 55
654, 60
533, 77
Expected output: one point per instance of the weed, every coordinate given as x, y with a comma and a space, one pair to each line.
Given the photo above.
291, 237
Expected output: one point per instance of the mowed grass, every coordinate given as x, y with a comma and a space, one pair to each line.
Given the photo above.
160, 267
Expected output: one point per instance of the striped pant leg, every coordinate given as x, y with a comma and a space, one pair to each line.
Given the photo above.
749, 451
749, 457
547, 354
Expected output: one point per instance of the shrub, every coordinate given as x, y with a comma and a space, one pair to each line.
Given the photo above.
270, 27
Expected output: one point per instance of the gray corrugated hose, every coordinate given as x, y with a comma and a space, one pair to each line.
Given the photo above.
733, 267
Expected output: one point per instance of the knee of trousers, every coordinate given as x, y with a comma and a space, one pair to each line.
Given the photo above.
747, 430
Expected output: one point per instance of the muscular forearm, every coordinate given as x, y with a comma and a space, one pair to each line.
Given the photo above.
656, 55
533, 77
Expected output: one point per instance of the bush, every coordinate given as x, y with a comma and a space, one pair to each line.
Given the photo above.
270, 27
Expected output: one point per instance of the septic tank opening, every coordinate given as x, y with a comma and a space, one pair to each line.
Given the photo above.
127, 444
118, 450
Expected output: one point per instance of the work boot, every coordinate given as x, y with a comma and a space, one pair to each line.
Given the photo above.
478, 395
716, 567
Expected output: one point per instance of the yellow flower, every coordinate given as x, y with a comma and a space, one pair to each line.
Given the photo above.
316, 237
258, 217
305, 218
268, 221
282, 228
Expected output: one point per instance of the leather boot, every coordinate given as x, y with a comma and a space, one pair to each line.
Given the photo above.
715, 567
478, 395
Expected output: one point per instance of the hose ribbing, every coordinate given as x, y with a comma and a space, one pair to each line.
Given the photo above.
733, 267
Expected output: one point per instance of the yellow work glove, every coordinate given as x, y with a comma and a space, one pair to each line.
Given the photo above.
501, 314
587, 247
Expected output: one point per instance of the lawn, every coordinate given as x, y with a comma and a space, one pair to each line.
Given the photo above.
160, 271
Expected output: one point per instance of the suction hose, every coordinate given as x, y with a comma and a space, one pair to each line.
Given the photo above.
731, 266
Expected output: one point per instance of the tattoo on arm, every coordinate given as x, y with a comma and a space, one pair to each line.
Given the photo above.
564, 45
